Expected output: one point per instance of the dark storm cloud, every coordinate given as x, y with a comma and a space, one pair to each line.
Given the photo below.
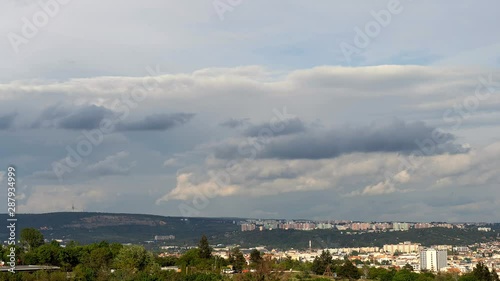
156, 122
293, 125
90, 117
235, 122
7, 120
50, 115
396, 136
79, 118
87, 118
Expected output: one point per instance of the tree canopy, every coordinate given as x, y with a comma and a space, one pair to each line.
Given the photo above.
31, 238
205, 250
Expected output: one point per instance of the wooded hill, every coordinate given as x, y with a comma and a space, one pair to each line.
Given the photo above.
87, 227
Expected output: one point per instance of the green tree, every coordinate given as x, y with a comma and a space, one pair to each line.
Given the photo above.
82, 273
31, 238
132, 259
115, 248
205, 249
191, 260
408, 267
289, 263
348, 270
375, 273
48, 254
100, 258
426, 276
69, 257
481, 272
468, 277
166, 261
321, 262
30, 258
405, 275
255, 257
441, 276
388, 275
237, 259
494, 275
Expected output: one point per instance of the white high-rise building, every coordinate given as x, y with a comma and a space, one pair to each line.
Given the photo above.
433, 260
406, 247
400, 226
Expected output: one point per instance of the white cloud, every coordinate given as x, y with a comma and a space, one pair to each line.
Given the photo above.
185, 189
170, 162
259, 178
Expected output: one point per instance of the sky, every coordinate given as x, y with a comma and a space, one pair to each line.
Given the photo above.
362, 110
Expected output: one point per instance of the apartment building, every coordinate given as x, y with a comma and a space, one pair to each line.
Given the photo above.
406, 247
432, 259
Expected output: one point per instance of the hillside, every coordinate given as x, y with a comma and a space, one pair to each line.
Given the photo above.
124, 228
87, 227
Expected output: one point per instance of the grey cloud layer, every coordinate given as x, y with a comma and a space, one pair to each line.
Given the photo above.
337, 145
90, 117
294, 125
7, 120
235, 122
72, 118
396, 136
80, 118
156, 122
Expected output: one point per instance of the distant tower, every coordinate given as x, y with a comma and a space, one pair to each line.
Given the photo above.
73, 207
310, 246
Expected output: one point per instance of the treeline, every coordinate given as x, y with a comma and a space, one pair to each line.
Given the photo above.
297, 239
112, 261
97, 261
